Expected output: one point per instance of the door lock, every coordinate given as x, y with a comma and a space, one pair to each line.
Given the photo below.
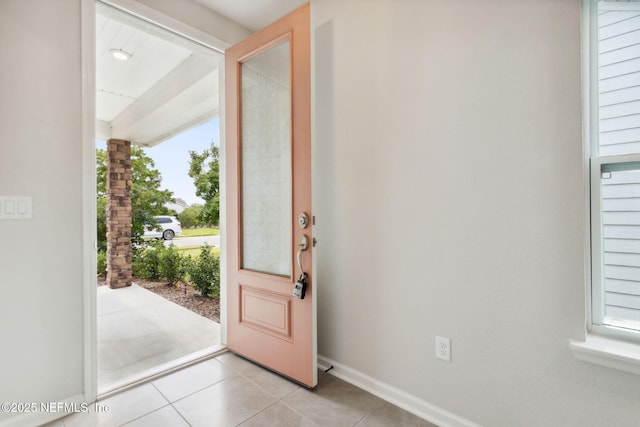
303, 220
300, 287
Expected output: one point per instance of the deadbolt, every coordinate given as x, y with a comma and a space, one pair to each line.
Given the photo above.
303, 220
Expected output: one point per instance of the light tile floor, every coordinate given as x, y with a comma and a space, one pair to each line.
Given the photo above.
231, 391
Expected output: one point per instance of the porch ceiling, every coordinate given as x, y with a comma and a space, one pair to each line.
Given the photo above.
168, 85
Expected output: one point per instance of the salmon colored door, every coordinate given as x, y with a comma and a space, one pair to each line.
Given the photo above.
268, 172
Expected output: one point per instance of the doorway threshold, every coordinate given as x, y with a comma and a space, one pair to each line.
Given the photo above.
161, 370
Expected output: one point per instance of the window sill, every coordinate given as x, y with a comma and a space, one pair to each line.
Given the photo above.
609, 352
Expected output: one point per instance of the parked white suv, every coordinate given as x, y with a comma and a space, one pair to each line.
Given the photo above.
170, 227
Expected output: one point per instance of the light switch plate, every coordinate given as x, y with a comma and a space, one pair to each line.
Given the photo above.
16, 207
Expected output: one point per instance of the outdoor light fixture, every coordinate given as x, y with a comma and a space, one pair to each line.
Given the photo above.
120, 54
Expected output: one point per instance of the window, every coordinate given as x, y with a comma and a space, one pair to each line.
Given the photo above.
614, 136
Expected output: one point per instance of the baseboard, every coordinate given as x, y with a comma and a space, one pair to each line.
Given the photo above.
46, 413
394, 395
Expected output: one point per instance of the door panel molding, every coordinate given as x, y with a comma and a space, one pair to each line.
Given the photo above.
269, 312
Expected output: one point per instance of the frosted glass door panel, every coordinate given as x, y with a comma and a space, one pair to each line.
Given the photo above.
266, 162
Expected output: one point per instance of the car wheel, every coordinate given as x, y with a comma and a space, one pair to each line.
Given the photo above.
168, 234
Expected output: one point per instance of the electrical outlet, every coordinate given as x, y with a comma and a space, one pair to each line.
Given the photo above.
443, 348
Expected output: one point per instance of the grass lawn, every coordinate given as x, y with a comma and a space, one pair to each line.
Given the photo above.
191, 232
194, 251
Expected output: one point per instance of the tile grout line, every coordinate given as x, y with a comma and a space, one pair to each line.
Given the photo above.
199, 390
278, 400
150, 412
266, 390
363, 418
143, 415
378, 406
366, 414
161, 393
180, 414
294, 409
234, 374
169, 403
258, 413
359, 421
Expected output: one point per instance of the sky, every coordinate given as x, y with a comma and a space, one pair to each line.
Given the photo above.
171, 158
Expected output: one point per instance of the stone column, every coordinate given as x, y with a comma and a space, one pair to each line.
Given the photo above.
118, 213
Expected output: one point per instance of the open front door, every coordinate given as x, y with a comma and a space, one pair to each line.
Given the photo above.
269, 226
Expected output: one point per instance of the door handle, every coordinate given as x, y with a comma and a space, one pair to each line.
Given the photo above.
303, 244
300, 287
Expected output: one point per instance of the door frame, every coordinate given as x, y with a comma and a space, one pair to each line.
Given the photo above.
88, 90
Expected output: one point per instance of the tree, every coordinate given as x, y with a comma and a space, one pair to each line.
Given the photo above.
204, 168
101, 202
190, 217
147, 197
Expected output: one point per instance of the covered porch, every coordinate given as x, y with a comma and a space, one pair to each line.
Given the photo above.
141, 334
151, 85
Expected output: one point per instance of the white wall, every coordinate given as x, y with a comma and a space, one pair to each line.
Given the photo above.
41, 310
449, 201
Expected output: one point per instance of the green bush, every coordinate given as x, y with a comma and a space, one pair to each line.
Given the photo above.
146, 262
172, 265
102, 263
204, 273
190, 217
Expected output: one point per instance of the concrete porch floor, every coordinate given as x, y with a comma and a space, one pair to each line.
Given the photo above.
140, 332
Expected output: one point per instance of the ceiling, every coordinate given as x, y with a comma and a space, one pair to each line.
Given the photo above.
169, 84
253, 14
